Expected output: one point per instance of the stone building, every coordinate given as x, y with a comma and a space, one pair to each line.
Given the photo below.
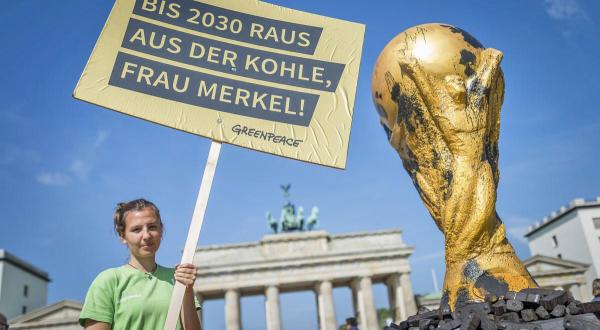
559, 274
63, 315
23, 287
430, 301
309, 261
573, 235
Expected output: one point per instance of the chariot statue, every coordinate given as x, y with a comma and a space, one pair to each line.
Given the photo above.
292, 218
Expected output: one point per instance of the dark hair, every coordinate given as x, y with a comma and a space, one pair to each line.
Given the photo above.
135, 205
351, 321
3, 322
596, 287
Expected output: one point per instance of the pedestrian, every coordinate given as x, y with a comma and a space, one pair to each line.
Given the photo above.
137, 295
351, 324
3, 322
596, 289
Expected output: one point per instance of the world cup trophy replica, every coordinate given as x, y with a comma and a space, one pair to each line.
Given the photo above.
438, 92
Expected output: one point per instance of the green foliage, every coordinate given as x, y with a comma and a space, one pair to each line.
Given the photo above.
383, 314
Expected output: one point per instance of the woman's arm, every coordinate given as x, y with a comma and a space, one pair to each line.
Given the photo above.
186, 274
99, 309
189, 317
96, 325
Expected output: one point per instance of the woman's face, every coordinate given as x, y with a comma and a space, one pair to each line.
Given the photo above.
143, 232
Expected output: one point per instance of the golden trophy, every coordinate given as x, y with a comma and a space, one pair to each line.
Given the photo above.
438, 92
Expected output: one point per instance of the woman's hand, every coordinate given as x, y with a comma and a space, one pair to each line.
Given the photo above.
186, 275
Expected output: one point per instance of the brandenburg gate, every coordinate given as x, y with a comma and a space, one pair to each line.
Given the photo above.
309, 261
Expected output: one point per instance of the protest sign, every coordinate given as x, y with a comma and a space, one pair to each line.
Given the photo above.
247, 73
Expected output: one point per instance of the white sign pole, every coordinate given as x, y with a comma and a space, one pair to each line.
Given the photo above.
194, 232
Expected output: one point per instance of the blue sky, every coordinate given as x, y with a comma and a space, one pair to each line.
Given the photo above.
64, 164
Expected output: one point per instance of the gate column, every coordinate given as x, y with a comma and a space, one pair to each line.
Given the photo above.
362, 291
325, 306
272, 308
232, 310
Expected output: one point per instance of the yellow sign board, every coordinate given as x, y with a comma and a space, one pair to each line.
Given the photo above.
248, 73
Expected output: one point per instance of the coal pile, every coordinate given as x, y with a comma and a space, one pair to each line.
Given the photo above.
528, 309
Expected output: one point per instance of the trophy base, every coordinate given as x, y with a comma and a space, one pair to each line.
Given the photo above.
528, 309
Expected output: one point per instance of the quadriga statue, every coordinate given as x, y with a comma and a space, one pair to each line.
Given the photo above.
438, 92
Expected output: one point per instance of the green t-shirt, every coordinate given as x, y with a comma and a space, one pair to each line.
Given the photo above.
127, 298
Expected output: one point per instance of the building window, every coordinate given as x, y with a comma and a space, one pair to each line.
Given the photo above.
596, 223
25, 291
24, 310
554, 241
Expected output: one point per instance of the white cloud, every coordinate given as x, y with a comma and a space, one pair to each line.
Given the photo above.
14, 154
79, 168
426, 257
13, 115
54, 179
564, 9
518, 233
101, 136
572, 19
517, 227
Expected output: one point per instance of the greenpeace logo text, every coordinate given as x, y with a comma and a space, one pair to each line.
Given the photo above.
267, 136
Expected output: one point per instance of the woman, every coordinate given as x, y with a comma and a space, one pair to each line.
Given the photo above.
137, 295
3, 322
596, 290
